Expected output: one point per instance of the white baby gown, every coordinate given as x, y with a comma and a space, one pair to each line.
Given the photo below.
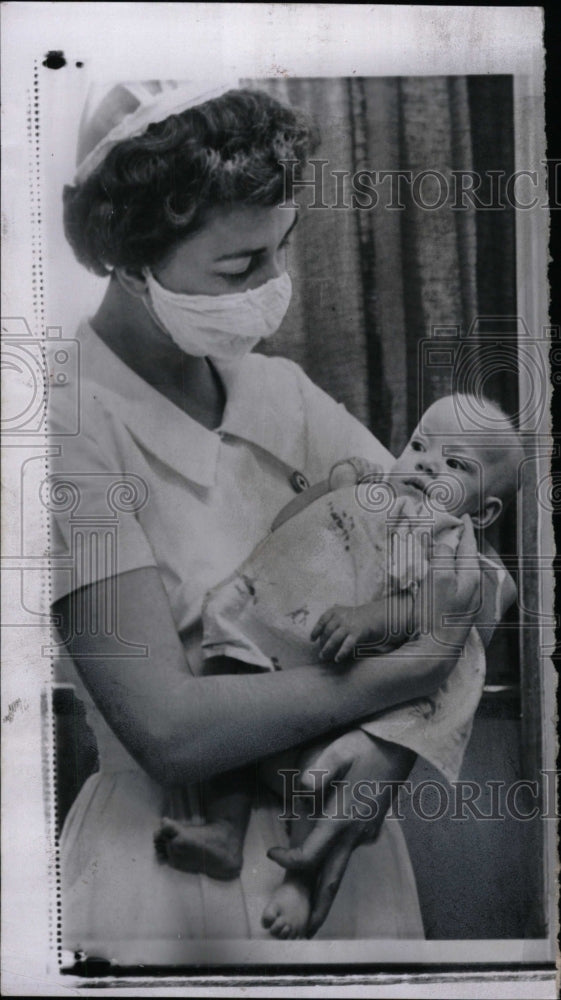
350, 546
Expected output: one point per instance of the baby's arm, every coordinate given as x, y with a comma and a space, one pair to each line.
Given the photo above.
378, 627
386, 623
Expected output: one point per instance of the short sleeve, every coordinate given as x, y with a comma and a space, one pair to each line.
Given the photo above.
94, 505
332, 432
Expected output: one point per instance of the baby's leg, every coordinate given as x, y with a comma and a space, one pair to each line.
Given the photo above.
213, 845
211, 840
287, 915
288, 911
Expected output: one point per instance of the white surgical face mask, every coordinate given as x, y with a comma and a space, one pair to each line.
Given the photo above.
224, 327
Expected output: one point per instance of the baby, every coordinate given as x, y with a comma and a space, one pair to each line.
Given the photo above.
352, 544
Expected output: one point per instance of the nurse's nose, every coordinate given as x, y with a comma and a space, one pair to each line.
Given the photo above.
274, 267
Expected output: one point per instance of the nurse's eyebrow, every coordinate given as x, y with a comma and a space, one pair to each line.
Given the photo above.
254, 250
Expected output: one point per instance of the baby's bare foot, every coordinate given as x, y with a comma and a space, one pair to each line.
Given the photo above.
214, 849
287, 913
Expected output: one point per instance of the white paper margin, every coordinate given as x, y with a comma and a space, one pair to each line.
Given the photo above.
143, 41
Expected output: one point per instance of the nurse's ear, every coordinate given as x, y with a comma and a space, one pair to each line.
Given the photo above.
132, 281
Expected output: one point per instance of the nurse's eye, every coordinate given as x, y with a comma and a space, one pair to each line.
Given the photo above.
241, 271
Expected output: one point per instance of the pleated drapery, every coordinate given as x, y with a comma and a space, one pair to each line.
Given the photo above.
373, 284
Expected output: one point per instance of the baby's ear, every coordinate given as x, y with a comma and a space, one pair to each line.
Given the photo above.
489, 513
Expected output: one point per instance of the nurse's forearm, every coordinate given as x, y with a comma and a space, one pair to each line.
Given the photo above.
183, 728
223, 722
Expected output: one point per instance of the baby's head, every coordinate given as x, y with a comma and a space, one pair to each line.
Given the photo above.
466, 454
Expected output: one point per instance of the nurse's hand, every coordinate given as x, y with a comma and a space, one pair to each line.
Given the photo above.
449, 597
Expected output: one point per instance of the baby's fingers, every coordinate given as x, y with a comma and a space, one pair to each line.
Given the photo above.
321, 624
163, 837
347, 648
330, 628
333, 644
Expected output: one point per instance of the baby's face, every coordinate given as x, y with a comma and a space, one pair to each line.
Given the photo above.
439, 458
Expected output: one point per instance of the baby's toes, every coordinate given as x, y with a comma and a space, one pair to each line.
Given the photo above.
168, 830
160, 847
162, 837
270, 914
278, 927
285, 932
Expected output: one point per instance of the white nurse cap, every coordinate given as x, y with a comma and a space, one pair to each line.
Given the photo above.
125, 110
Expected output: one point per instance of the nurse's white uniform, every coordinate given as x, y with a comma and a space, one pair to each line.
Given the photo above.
161, 490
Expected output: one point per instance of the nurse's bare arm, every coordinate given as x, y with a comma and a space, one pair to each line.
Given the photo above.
182, 728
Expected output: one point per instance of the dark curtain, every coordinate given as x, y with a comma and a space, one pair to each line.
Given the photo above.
395, 306
375, 286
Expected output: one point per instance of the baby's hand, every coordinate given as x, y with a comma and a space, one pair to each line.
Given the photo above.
340, 629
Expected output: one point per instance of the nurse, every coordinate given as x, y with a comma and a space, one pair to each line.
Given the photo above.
189, 445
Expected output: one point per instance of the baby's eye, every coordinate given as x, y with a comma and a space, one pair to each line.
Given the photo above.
416, 446
454, 463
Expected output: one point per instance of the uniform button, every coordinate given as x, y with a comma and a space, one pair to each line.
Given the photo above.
299, 482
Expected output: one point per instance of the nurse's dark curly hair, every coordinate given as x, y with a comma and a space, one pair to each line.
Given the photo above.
152, 191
